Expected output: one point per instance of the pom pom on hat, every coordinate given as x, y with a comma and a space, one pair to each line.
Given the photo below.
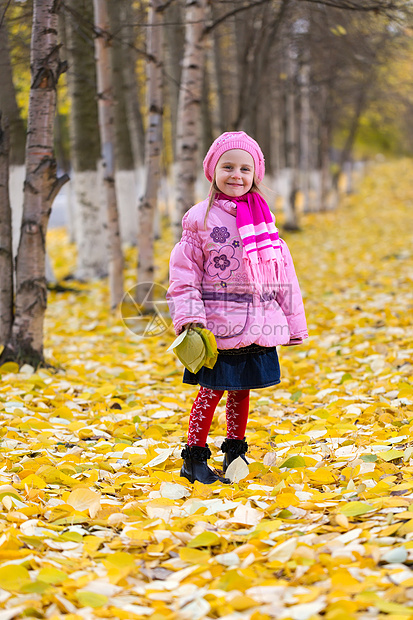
234, 140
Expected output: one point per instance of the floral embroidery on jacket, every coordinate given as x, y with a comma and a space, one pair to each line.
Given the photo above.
222, 263
219, 234
236, 243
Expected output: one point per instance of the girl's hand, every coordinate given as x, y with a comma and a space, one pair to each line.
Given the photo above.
189, 325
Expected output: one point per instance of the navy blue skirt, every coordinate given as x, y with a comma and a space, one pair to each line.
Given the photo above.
247, 368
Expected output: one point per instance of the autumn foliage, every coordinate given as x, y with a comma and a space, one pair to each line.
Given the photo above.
97, 523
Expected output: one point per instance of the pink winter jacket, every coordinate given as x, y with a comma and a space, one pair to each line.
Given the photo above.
208, 285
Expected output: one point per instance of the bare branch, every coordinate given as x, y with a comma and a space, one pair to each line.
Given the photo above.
355, 5
239, 9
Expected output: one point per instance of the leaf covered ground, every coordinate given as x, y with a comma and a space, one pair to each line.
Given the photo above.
97, 523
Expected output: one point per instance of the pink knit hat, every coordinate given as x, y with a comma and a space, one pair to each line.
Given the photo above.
234, 140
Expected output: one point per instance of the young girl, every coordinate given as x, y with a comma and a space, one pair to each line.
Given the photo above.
232, 274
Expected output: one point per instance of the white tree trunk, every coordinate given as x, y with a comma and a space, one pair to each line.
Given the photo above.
91, 234
189, 110
126, 192
16, 182
87, 209
40, 188
107, 137
153, 150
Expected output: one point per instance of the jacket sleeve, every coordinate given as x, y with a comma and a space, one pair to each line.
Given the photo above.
290, 300
186, 269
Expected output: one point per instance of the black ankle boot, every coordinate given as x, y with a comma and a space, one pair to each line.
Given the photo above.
232, 449
195, 465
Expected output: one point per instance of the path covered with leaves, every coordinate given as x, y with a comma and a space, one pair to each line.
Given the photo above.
97, 523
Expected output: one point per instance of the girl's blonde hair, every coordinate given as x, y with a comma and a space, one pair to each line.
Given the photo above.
214, 190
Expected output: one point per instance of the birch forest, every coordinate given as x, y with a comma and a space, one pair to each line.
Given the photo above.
107, 109
146, 87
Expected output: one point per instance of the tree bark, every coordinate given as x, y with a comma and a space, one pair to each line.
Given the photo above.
174, 39
126, 119
131, 86
305, 121
153, 151
324, 150
123, 146
6, 251
8, 102
25, 344
107, 138
225, 68
89, 215
189, 110
291, 215
345, 155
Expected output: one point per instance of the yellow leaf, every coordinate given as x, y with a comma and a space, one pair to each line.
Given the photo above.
205, 539
354, 509
120, 559
52, 575
342, 580
241, 602
91, 599
194, 556
13, 577
84, 499
233, 580
390, 455
322, 475
33, 481
284, 500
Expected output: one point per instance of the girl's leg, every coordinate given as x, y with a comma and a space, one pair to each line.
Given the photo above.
237, 416
201, 416
237, 410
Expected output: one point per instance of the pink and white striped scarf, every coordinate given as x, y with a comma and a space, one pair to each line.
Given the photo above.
261, 243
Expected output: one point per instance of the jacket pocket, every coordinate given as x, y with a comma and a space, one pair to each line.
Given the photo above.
227, 313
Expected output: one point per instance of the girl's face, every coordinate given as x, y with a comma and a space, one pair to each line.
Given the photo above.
234, 172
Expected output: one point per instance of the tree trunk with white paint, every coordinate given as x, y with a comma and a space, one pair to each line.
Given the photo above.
10, 110
290, 205
305, 128
6, 254
25, 344
89, 213
107, 139
153, 151
123, 70
189, 110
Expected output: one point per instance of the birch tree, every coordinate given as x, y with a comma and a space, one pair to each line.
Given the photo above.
189, 110
124, 156
90, 234
107, 138
25, 343
132, 86
153, 151
291, 216
11, 111
8, 102
6, 251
